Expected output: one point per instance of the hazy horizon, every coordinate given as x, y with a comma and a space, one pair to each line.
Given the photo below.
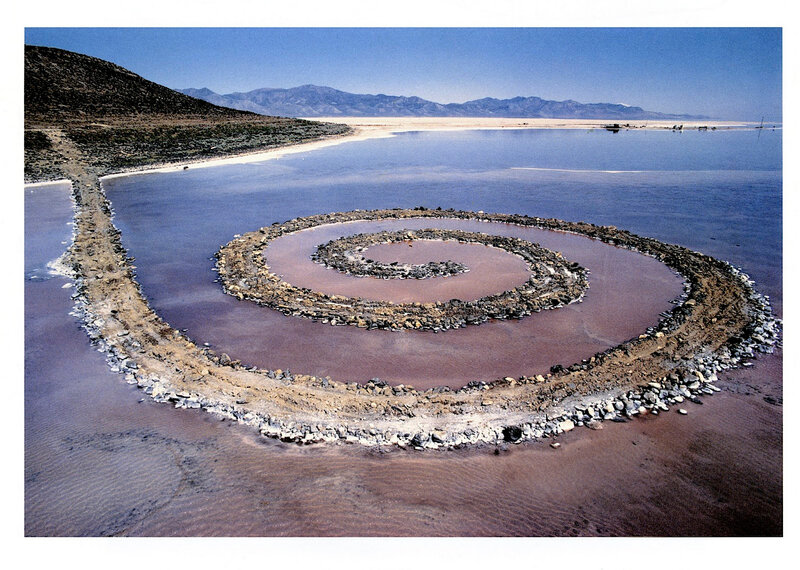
725, 73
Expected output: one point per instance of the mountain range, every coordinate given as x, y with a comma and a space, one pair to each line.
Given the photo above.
318, 101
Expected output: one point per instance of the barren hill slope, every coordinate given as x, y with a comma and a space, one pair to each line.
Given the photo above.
119, 120
61, 85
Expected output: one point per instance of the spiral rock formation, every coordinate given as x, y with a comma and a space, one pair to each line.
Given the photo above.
245, 274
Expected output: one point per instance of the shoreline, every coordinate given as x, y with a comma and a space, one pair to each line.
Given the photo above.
406, 124
367, 128
47, 183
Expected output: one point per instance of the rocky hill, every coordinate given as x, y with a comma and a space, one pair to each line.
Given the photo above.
64, 86
316, 101
119, 120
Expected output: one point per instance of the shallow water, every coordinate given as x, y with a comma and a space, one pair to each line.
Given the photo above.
100, 459
627, 292
173, 223
490, 269
715, 192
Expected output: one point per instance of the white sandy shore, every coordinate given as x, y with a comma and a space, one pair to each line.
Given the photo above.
47, 183
381, 127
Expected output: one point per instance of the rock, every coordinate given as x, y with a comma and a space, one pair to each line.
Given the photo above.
566, 425
682, 412
555, 445
512, 433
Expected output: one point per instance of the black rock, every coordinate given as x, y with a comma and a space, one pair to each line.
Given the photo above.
512, 433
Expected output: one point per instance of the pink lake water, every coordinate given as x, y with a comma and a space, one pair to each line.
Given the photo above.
626, 294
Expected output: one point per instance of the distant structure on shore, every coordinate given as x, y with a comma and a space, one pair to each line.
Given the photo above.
316, 101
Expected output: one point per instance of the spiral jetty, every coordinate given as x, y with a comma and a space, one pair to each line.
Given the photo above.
720, 323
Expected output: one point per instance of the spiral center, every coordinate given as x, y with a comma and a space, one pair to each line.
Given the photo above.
552, 280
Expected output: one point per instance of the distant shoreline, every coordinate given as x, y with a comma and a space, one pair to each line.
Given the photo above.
365, 128
398, 124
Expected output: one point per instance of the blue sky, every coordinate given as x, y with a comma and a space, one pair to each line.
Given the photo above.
728, 73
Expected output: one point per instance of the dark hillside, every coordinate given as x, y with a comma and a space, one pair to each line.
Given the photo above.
61, 85
119, 120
